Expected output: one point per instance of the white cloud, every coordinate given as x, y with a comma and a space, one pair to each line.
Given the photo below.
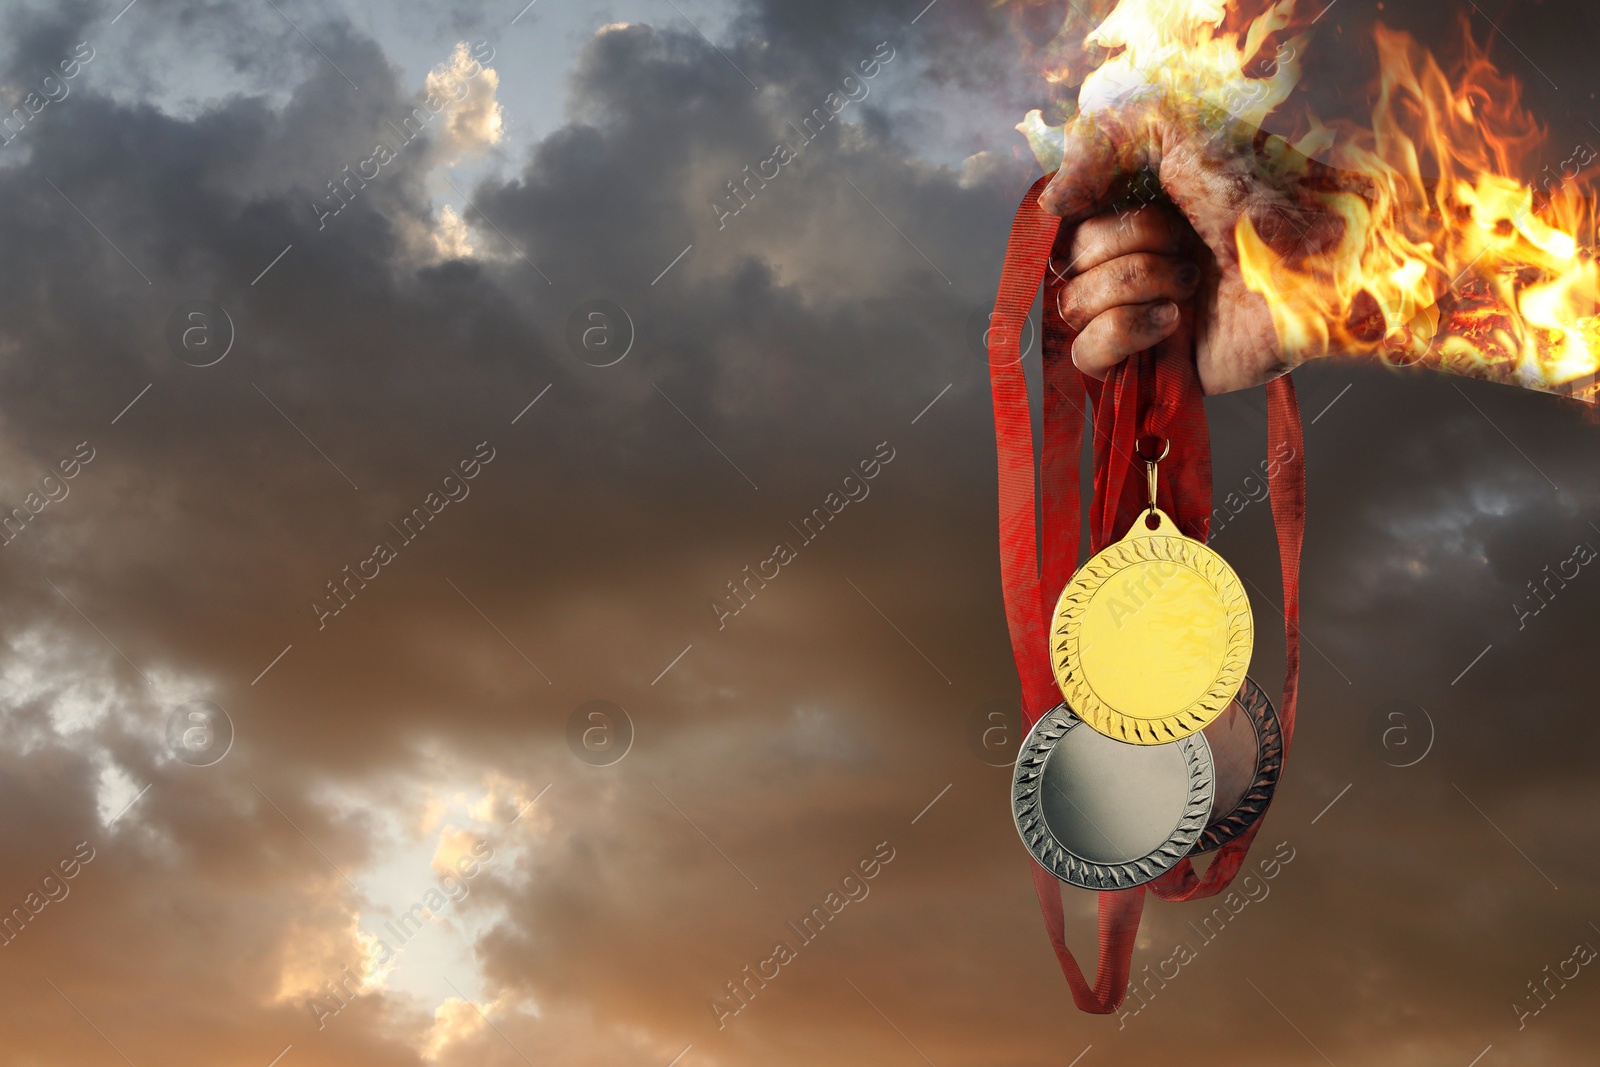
475, 119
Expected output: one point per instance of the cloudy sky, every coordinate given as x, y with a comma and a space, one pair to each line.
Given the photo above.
406, 537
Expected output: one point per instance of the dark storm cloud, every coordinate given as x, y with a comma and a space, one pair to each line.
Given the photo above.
796, 336
229, 521
36, 35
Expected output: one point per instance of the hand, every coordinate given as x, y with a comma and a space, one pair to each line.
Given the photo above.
1213, 179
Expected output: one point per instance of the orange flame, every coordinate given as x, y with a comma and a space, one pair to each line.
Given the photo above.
1448, 255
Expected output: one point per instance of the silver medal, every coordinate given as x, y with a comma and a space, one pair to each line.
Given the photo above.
1103, 814
1246, 743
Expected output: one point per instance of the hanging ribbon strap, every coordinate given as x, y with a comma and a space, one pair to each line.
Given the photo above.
1155, 396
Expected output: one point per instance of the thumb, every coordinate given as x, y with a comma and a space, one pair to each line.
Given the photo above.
1100, 148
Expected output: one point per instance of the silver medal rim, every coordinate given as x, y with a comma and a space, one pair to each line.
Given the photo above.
1263, 716
1028, 811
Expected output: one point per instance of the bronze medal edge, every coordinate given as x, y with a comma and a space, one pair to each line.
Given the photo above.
1263, 716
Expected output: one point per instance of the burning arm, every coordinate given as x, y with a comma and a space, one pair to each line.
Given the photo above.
1414, 242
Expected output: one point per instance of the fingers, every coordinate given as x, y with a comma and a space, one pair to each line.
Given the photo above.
1122, 291
1148, 228
1118, 333
1142, 278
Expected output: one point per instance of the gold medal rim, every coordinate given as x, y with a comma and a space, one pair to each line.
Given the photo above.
1141, 546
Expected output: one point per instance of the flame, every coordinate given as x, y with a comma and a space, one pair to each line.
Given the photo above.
1448, 256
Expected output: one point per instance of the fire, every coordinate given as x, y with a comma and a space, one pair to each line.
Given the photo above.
1448, 255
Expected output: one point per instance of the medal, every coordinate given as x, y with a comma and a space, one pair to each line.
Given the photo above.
1152, 637
1101, 814
1246, 743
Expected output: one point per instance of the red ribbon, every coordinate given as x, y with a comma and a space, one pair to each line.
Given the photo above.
1153, 397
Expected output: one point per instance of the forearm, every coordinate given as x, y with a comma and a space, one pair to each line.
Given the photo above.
1477, 280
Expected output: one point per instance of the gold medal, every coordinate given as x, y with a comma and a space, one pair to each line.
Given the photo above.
1152, 637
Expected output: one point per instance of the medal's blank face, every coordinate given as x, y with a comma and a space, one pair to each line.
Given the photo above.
1111, 802
1154, 638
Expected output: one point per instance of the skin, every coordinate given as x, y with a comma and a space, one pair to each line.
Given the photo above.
1128, 271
